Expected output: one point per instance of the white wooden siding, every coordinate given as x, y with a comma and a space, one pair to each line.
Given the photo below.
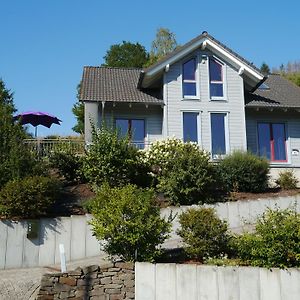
234, 104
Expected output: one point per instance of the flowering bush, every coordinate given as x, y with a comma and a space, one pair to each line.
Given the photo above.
162, 154
182, 170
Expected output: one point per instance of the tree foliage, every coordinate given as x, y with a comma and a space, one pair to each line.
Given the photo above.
15, 160
265, 69
164, 43
290, 71
126, 55
78, 111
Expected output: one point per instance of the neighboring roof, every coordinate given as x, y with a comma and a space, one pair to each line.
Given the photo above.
116, 85
281, 93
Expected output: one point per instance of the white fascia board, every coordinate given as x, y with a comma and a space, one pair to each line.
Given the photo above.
234, 59
174, 58
212, 45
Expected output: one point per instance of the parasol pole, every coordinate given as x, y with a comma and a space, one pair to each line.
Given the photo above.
35, 133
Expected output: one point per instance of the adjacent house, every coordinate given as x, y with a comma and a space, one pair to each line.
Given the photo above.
202, 92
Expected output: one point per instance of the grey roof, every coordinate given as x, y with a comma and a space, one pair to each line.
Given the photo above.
201, 36
281, 93
116, 85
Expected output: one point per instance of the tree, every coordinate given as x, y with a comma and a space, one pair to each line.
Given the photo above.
78, 111
126, 55
15, 160
164, 43
265, 69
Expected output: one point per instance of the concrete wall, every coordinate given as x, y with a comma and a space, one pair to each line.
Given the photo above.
239, 214
16, 250
194, 282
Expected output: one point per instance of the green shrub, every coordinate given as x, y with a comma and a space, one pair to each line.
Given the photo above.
203, 233
29, 197
287, 180
244, 172
189, 177
68, 163
129, 222
275, 242
110, 158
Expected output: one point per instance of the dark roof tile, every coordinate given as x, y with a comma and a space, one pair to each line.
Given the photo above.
116, 85
281, 93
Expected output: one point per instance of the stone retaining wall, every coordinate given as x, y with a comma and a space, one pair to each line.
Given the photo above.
111, 281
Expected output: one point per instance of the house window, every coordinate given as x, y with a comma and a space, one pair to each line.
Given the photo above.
218, 135
189, 84
216, 78
134, 128
190, 127
272, 141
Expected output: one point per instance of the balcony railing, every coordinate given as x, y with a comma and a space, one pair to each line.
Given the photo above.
44, 147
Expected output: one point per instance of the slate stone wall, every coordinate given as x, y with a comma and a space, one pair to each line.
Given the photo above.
110, 281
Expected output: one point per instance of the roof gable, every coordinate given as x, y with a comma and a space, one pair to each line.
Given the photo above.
250, 73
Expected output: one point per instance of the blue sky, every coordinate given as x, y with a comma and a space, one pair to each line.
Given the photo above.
45, 44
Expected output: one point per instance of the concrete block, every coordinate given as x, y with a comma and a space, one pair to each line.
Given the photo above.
186, 281
256, 209
78, 237
165, 282
286, 202
234, 219
244, 211
270, 284
47, 241
297, 200
222, 210
290, 284
92, 244
228, 282
31, 250
144, 281
15, 243
3, 241
207, 283
63, 236
249, 287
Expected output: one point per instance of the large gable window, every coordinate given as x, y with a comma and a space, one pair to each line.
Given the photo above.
216, 79
134, 128
272, 141
189, 82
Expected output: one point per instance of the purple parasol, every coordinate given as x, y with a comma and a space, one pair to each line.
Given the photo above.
36, 118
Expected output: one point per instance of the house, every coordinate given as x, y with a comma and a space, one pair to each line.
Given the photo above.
202, 92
